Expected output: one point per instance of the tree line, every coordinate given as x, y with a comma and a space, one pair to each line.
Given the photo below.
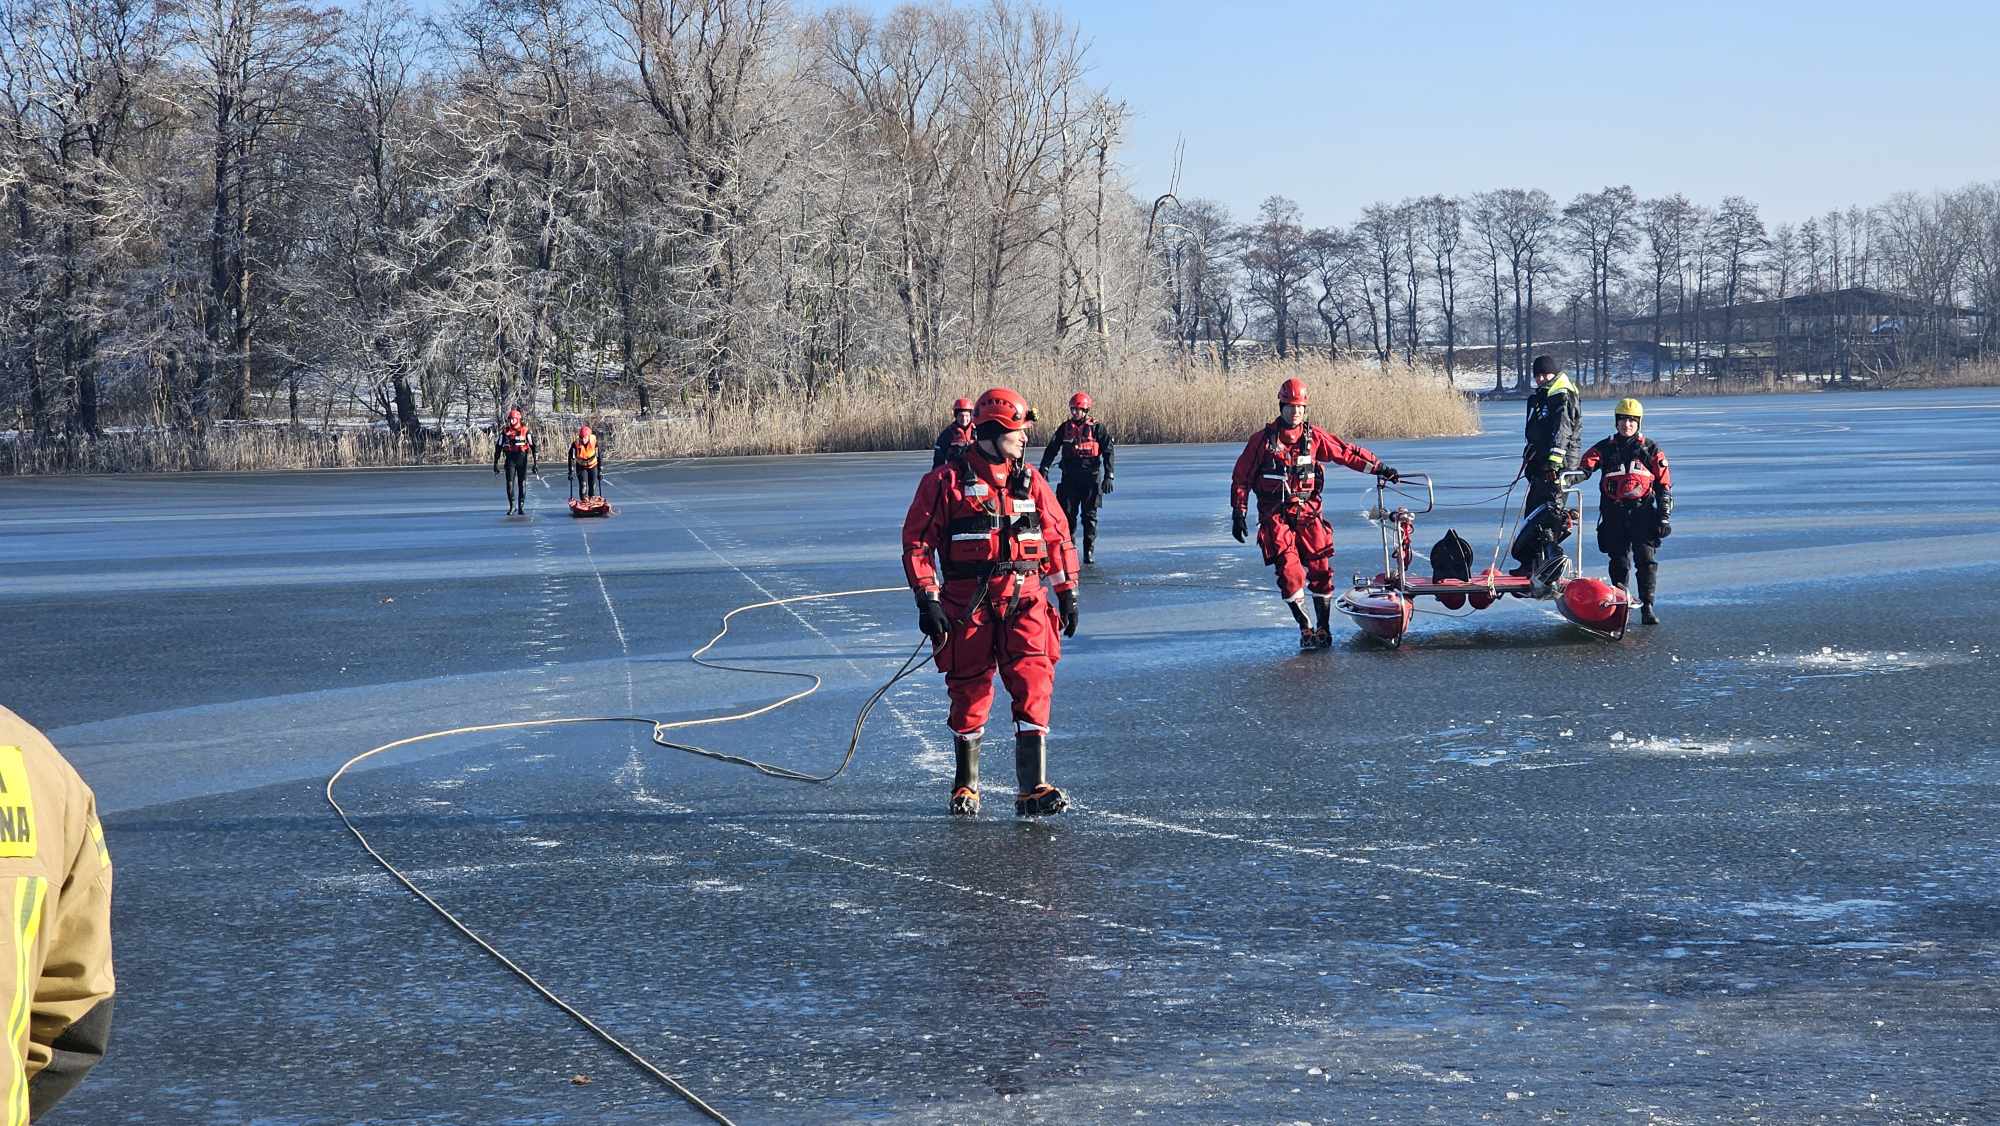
233, 209
1508, 272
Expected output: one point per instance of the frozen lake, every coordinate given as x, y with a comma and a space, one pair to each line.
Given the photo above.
1741, 865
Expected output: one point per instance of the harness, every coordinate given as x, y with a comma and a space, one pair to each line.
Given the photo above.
992, 542
1290, 473
1628, 471
1082, 439
586, 455
515, 439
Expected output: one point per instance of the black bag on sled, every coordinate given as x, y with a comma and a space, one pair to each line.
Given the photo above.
1451, 557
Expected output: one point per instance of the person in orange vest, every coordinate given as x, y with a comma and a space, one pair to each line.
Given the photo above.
953, 439
1085, 448
1636, 502
982, 535
57, 965
585, 463
517, 446
1281, 465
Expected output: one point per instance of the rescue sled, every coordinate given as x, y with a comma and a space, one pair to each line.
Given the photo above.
590, 506
1382, 607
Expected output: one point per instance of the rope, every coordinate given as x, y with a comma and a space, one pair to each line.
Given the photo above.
770, 770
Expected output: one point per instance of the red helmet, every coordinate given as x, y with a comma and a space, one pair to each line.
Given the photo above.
1003, 405
583, 433
514, 415
961, 405
1080, 401
1292, 392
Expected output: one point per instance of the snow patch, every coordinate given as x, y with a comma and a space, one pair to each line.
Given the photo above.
1811, 908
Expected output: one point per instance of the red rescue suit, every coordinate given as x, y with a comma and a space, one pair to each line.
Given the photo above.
1633, 468
1282, 467
983, 542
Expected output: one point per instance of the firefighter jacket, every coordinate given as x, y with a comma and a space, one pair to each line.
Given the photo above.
1555, 426
56, 874
1084, 447
1282, 467
1634, 468
976, 519
514, 440
951, 441
582, 456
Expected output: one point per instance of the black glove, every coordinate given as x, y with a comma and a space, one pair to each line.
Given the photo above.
1387, 473
1239, 525
1665, 529
1107, 486
1066, 601
931, 617
496, 467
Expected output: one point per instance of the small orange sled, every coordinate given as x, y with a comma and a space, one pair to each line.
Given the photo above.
590, 506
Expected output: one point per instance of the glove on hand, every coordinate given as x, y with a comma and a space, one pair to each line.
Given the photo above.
1107, 486
1387, 473
1066, 601
1665, 529
1239, 525
931, 617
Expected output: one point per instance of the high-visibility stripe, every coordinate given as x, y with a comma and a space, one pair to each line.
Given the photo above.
26, 924
97, 836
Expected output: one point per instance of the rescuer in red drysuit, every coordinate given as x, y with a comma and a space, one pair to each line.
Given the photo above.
982, 533
1281, 465
954, 438
1086, 450
1636, 502
515, 444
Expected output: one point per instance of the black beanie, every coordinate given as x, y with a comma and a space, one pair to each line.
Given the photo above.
1547, 365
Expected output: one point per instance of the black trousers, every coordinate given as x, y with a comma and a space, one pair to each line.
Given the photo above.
1079, 502
1629, 536
516, 473
1543, 538
586, 481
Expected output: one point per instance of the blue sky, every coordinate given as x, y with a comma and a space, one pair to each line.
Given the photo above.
1801, 107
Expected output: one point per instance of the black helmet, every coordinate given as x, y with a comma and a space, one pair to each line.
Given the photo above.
1547, 365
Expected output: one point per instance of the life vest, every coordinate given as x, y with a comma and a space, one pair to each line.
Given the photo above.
956, 438
1289, 473
1082, 439
1628, 471
515, 440
991, 530
584, 453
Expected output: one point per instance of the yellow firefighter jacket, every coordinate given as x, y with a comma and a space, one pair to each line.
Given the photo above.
55, 940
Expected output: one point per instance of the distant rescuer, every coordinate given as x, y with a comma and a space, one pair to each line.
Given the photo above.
1281, 465
516, 446
953, 438
56, 871
1637, 502
585, 462
1554, 437
991, 525
1086, 448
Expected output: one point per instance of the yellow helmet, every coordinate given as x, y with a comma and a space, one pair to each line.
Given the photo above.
1629, 408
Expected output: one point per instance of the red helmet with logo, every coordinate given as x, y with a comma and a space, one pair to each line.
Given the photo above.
514, 415
1003, 405
1080, 401
961, 405
1292, 392
583, 433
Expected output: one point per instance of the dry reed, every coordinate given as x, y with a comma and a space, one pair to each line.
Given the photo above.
1140, 403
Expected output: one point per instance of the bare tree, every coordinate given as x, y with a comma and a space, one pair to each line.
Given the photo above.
1442, 228
1276, 264
1739, 238
1601, 229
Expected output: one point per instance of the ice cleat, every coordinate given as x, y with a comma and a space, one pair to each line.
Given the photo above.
1044, 801
965, 802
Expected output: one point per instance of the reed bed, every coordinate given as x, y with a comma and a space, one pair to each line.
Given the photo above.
1140, 403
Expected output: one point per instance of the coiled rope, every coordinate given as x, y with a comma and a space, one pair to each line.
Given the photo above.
658, 728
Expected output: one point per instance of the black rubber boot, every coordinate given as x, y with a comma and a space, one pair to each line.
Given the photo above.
1323, 614
1090, 551
965, 779
1035, 797
1649, 578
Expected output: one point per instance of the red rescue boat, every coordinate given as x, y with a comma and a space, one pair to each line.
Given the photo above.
590, 506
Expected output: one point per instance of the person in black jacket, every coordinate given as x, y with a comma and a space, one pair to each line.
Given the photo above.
1086, 448
1636, 502
1554, 439
953, 439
